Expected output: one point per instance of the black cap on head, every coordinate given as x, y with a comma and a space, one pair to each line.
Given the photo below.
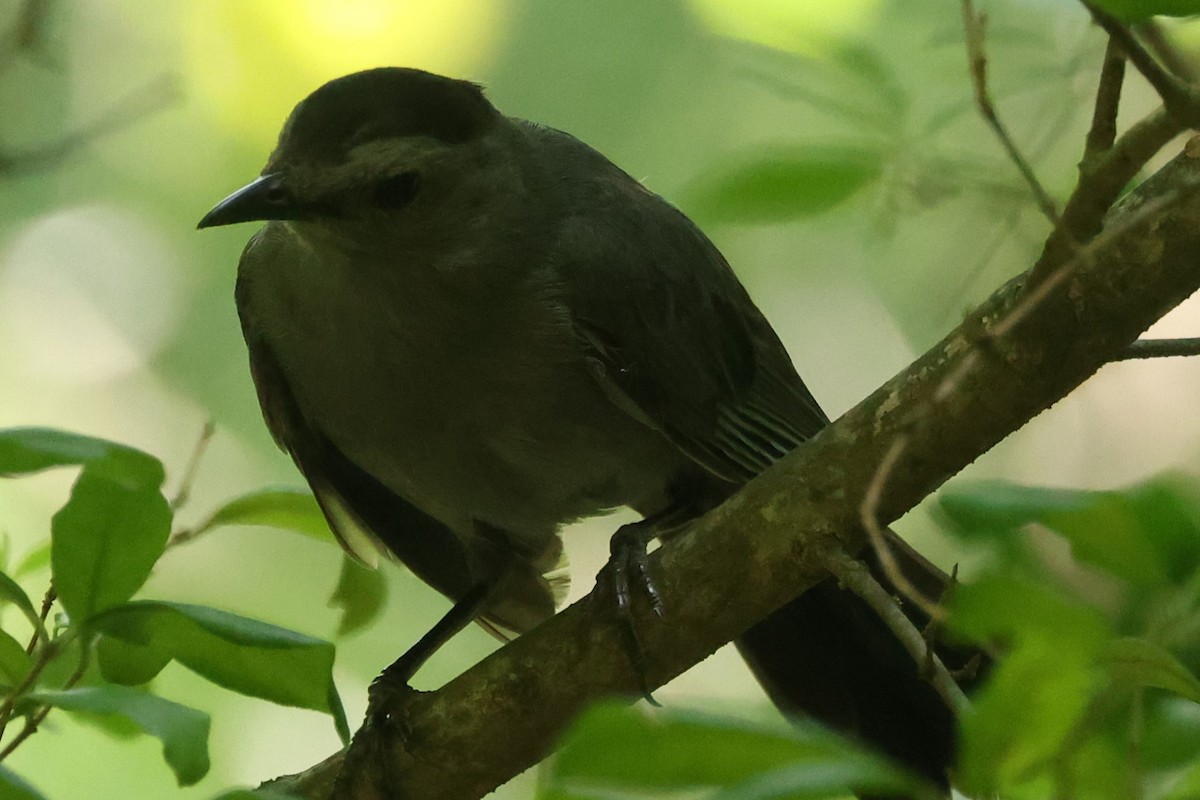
383, 103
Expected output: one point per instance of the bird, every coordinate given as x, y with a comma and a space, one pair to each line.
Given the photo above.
468, 330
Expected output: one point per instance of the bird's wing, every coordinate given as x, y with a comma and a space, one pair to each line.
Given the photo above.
365, 516
672, 335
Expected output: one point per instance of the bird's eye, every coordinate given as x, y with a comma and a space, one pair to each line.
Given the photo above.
396, 191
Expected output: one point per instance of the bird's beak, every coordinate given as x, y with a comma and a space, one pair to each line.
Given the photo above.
266, 197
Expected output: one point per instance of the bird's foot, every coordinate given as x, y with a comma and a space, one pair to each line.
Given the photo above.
369, 760
625, 575
629, 566
387, 700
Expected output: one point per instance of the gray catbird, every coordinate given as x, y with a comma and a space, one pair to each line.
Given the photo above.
468, 329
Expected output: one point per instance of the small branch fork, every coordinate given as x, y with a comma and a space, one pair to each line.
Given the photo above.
855, 576
1108, 164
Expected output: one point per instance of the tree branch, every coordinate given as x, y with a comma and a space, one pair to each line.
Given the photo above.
854, 575
1160, 348
769, 542
1103, 133
1180, 97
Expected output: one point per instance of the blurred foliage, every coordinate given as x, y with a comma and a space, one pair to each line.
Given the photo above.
833, 144
104, 541
1093, 599
1134, 10
615, 751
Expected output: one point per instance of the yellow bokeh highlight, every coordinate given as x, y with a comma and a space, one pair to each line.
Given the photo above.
798, 26
251, 61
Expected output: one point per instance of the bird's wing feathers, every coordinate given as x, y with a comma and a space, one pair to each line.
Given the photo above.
365, 515
673, 337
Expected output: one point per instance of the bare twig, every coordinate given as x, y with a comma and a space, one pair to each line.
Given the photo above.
853, 574
189, 471
1151, 32
869, 516
43, 614
1180, 97
45, 656
1160, 348
974, 25
35, 719
1103, 133
1101, 180
150, 99
946, 390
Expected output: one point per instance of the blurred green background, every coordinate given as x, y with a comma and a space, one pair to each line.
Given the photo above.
125, 120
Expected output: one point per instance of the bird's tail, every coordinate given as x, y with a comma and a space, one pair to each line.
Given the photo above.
827, 655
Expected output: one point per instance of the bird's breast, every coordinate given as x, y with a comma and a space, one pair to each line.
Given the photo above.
471, 405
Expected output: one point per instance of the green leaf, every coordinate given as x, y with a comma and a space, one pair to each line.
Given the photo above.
783, 184
828, 777
1171, 736
105, 541
11, 591
617, 749
1021, 718
13, 787
14, 661
290, 509
27, 450
1137, 10
182, 730
129, 664
240, 654
256, 794
1168, 511
1143, 663
1110, 530
1018, 608
360, 593
1186, 786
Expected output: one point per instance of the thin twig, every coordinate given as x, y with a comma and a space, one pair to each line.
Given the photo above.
974, 25
1101, 181
1028, 301
189, 471
44, 614
1105, 172
854, 575
148, 100
868, 513
36, 718
1103, 133
1180, 97
1160, 348
1151, 32
44, 658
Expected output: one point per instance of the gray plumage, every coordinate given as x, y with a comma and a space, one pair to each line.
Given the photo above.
534, 340
468, 330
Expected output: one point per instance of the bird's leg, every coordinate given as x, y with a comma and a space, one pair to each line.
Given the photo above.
391, 685
366, 760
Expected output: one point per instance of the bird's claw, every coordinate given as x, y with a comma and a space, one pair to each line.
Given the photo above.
387, 698
627, 572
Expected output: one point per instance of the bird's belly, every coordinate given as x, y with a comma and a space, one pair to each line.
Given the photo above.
520, 460
496, 423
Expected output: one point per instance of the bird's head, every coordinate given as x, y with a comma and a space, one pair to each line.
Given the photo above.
386, 152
